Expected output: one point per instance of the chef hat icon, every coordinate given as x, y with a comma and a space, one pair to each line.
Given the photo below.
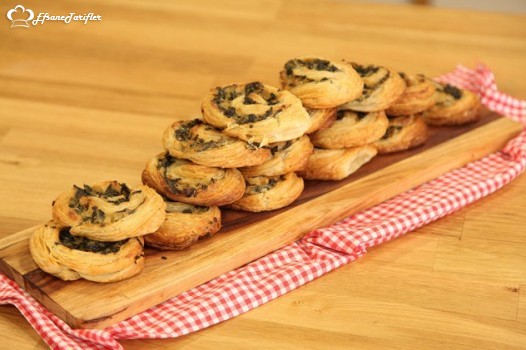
20, 16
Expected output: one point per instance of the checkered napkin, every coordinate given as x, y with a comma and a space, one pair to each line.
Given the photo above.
316, 254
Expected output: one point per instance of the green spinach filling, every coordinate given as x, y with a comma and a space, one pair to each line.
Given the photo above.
88, 245
280, 146
312, 64
185, 208
224, 96
391, 131
111, 195
453, 91
176, 185
255, 187
367, 71
115, 193
184, 134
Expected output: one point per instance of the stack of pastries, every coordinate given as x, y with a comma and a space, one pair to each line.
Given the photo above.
242, 155
250, 151
97, 232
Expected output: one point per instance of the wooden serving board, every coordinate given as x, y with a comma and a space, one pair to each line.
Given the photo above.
247, 236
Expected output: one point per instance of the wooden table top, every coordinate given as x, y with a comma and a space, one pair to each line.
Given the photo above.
84, 103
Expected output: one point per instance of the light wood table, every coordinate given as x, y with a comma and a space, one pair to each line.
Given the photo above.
83, 103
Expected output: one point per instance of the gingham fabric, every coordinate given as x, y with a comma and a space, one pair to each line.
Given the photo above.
316, 254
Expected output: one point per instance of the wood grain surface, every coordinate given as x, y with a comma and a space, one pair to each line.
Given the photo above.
83, 103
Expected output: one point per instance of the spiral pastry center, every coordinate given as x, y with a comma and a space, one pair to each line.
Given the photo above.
250, 103
373, 78
105, 206
412, 80
260, 184
184, 178
447, 94
396, 125
308, 71
200, 137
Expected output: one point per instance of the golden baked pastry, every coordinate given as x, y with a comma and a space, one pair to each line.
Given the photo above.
403, 133
205, 145
68, 257
183, 181
351, 129
321, 118
382, 87
287, 157
256, 112
417, 97
320, 83
269, 193
453, 106
109, 211
185, 224
336, 164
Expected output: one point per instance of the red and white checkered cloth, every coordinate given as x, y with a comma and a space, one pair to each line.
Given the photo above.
316, 254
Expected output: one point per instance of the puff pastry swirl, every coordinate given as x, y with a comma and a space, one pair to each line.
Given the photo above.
320, 83
321, 119
287, 157
453, 106
184, 225
59, 253
109, 211
403, 133
256, 112
337, 164
269, 193
382, 88
183, 181
351, 129
417, 97
205, 145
